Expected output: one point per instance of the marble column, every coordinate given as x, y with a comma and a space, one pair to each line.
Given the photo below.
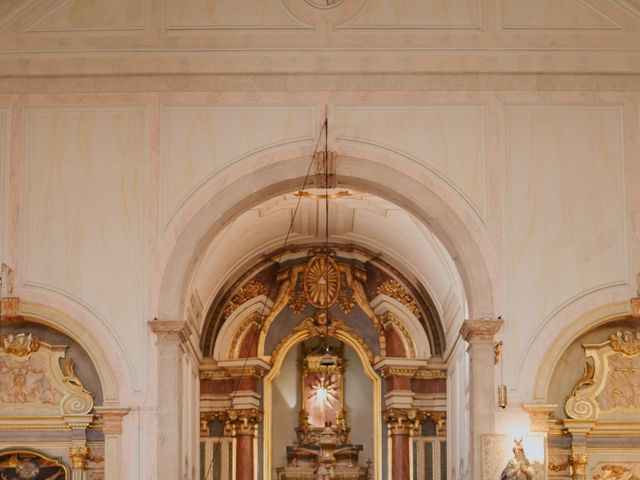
111, 419
479, 334
243, 425
171, 339
400, 424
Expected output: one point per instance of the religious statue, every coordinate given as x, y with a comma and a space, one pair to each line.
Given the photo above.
520, 467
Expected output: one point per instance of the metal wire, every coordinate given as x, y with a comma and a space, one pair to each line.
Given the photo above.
324, 130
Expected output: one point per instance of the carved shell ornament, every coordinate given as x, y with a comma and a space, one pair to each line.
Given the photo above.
321, 281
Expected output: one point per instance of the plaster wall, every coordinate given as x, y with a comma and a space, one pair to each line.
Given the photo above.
120, 121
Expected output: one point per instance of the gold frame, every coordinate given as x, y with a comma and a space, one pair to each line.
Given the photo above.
291, 342
57, 463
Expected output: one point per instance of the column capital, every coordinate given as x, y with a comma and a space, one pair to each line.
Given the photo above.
538, 415
578, 463
242, 421
402, 421
79, 456
472, 330
171, 331
111, 418
10, 307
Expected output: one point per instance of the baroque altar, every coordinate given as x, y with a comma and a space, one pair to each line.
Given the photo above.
322, 450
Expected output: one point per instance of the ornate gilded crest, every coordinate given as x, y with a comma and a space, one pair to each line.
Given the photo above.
321, 281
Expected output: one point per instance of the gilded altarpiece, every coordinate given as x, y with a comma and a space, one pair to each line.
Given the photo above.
40, 391
603, 411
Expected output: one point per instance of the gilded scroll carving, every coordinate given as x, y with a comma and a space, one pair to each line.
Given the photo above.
613, 383
392, 288
31, 377
614, 472
251, 290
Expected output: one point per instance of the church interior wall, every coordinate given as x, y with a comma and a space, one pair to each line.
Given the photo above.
134, 134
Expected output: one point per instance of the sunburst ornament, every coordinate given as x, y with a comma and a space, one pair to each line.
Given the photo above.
321, 281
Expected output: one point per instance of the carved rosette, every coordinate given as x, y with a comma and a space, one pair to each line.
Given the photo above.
242, 421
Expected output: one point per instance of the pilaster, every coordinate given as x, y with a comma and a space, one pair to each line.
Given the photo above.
111, 419
401, 423
172, 339
479, 334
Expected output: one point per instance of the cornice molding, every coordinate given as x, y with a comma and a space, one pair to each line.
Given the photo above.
472, 330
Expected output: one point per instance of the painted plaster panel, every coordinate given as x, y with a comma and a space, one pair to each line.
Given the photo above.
200, 141
4, 184
225, 14
419, 14
565, 210
83, 214
553, 14
78, 15
448, 139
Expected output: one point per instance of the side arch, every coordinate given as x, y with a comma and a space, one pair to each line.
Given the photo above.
84, 337
552, 351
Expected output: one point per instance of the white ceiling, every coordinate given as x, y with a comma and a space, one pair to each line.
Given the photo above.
360, 218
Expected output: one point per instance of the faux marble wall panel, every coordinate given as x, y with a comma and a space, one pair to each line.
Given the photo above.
449, 140
199, 141
419, 14
74, 15
553, 14
565, 209
204, 14
4, 184
82, 217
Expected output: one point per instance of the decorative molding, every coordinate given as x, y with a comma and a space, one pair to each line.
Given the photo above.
33, 378
609, 385
539, 415
10, 307
248, 291
242, 422
392, 288
473, 330
171, 331
111, 419
79, 457
401, 421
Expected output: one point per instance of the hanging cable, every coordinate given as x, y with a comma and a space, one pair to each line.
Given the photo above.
256, 331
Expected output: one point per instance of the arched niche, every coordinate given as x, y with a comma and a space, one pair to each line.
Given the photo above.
551, 354
279, 361
56, 320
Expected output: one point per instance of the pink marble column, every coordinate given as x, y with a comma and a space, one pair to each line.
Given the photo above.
243, 425
400, 423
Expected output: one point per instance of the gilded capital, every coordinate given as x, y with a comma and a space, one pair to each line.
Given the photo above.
79, 456
242, 421
578, 463
10, 306
472, 330
402, 421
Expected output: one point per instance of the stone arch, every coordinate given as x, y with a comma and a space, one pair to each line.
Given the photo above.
551, 353
424, 195
79, 333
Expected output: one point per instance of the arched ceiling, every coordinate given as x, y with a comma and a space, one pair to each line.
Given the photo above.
358, 218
